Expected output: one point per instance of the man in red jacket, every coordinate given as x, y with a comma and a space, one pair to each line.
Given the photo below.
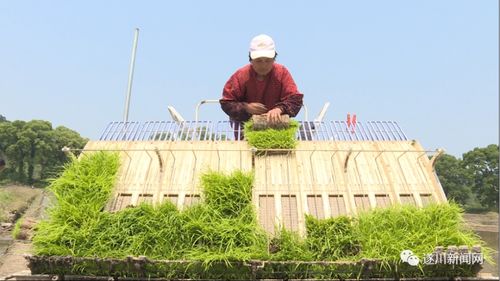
261, 87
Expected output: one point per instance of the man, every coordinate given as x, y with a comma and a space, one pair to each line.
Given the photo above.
261, 87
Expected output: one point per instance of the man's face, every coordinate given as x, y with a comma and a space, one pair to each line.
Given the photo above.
262, 65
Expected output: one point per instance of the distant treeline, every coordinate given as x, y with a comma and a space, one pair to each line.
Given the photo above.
471, 181
32, 150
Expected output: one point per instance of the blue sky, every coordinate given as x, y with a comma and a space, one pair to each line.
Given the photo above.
432, 66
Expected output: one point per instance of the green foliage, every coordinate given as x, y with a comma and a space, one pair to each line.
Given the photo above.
289, 246
378, 234
454, 179
17, 228
272, 138
142, 230
332, 238
214, 237
4, 199
209, 232
32, 149
473, 181
81, 192
223, 229
384, 233
482, 165
227, 195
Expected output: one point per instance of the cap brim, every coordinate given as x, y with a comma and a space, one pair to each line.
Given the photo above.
262, 54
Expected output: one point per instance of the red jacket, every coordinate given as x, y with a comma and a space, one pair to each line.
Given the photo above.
278, 90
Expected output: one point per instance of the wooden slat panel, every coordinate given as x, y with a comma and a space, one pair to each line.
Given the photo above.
337, 205
315, 206
426, 199
145, 197
172, 198
191, 199
122, 201
267, 212
316, 167
407, 199
382, 200
174, 167
362, 202
289, 212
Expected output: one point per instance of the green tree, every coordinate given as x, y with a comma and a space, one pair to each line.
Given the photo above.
16, 150
482, 166
455, 180
2, 118
61, 137
7, 137
33, 149
38, 138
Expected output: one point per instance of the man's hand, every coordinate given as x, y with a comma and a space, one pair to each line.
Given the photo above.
274, 115
255, 108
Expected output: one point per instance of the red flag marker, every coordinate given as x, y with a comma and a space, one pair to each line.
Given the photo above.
353, 123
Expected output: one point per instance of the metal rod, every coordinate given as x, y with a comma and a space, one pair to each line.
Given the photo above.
198, 107
250, 150
131, 75
306, 114
193, 130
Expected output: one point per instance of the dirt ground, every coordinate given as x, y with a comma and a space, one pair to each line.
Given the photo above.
483, 222
15, 199
34, 204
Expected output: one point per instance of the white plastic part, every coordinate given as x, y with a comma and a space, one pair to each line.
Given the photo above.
322, 113
176, 116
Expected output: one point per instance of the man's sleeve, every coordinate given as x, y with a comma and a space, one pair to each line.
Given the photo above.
291, 98
231, 102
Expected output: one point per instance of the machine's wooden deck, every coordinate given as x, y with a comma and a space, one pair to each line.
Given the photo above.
321, 178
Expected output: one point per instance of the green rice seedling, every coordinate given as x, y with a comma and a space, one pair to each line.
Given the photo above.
81, 192
384, 233
215, 237
228, 195
17, 228
223, 230
289, 246
144, 230
272, 138
332, 238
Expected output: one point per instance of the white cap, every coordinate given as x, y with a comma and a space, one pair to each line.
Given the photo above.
262, 46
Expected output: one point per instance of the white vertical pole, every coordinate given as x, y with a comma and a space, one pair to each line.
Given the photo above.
131, 75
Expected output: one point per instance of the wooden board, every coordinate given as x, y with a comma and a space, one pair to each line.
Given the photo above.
322, 178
